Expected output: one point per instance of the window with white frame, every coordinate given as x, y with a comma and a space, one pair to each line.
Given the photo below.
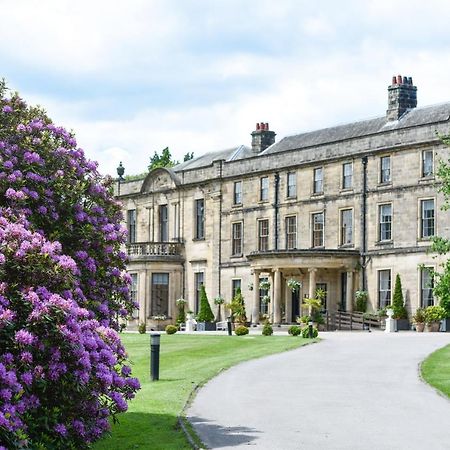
160, 294
427, 163
317, 229
200, 219
426, 287
163, 223
385, 222
235, 285
236, 239
131, 225
199, 279
264, 298
427, 218
263, 235
291, 184
385, 169
384, 288
264, 189
346, 226
237, 193
291, 232
347, 175
318, 180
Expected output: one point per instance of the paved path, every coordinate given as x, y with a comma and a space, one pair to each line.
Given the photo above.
352, 391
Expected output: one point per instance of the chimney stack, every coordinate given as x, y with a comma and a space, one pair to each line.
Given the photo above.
402, 96
262, 137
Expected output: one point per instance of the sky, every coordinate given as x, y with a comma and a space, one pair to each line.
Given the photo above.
133, 77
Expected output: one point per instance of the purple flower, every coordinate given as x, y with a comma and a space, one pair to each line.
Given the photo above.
7, 109
24, 337
61, 429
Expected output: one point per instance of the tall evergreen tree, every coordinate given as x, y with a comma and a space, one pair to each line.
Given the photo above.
205, 314
397, 301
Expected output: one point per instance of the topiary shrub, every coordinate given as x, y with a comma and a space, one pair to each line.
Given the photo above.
171, 329
294, 330
397, 301
241, 330
205, 313
305, 332
237, 307
267, 330
142, 328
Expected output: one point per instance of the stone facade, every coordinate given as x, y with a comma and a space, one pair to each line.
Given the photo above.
343, 209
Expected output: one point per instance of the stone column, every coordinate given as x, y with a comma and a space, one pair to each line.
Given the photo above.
349, 296
255, 310
277, 297
312, 282
288, 303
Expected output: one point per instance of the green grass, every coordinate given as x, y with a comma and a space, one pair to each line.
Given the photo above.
186, 361
436, 370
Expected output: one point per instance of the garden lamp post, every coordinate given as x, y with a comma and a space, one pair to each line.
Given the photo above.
120, 172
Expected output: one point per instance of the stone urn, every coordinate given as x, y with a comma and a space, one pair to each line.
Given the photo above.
420, 326
433, 327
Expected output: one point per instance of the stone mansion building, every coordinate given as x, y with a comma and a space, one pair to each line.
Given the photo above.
342, 209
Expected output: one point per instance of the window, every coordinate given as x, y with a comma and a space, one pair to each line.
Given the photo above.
237, 197
235, 285
317, 230
346, 227
427, 163
426, 287
384, 288
160, 294
264, 189
427, 218
291, 232
385, 222
131, 224
200, 219
198, 281
236, 239
291, 184
385, 174
263, 235
163, 224
133, 294
263, 297
347, 176
318, 181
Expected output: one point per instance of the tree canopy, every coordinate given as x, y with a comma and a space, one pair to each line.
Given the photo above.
163, 160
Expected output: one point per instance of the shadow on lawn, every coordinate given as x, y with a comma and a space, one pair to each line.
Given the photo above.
217, 436
141, 431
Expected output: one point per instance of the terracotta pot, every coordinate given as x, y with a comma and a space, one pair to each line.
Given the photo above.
432, 327
420, 327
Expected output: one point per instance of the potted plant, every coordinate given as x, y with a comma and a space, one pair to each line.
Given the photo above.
237, 308
419, 319
219, 301
264, 285
312, 304
433, 316
181, 316
398, 306
303, 320
361, 301
294, 285
205, 318
158, 318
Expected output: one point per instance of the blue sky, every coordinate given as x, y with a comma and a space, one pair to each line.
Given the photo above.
134, 77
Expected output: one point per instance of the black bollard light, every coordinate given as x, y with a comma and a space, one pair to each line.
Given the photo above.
155, 339
229, 326
310, 329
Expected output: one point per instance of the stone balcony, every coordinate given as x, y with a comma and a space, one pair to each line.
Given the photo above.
155, 251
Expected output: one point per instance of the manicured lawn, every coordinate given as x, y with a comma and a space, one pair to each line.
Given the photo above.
436, 370
186, 361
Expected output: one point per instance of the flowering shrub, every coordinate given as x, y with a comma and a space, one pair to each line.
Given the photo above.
63, 370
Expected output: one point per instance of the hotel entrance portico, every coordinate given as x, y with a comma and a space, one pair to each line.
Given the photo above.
336, 271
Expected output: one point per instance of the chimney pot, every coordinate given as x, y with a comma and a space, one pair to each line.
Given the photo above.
410, 81
257, 126
405, 80
399, 79
263, 126
394, 79
267, 126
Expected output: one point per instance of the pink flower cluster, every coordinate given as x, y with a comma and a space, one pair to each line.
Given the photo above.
63, 370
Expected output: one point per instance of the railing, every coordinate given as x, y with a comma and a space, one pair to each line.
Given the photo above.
342, 320
154, 249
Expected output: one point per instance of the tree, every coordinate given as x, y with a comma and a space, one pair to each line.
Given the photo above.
188, 156
205, 314
163, 160
63, 369
397, 301
237, 307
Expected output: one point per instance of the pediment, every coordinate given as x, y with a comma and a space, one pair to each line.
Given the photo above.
160, 180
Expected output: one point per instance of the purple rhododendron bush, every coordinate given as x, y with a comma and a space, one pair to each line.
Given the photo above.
63, 369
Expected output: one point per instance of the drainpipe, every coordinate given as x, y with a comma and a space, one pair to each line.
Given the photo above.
276, 206
220, 229
364, 224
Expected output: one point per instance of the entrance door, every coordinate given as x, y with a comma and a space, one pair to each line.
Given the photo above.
295, 305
